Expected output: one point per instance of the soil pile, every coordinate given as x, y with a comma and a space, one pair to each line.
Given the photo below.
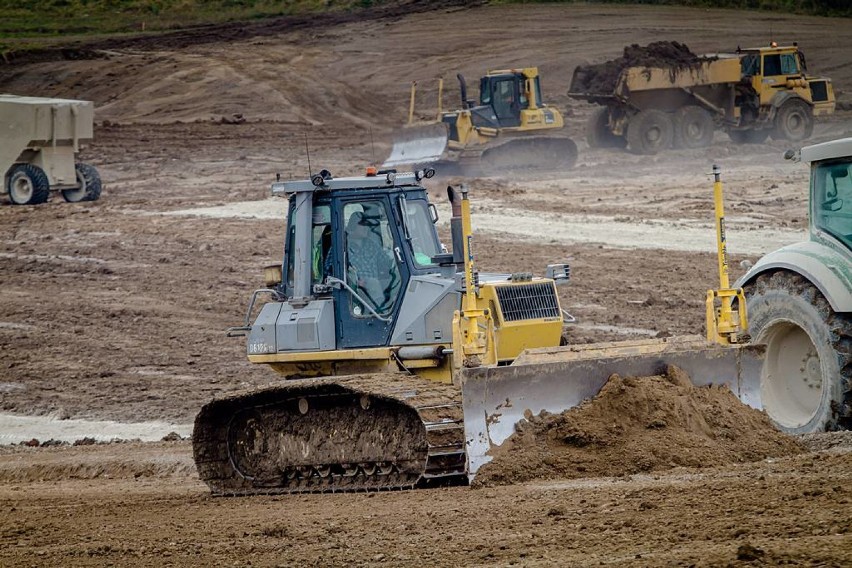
638, 425
603, 77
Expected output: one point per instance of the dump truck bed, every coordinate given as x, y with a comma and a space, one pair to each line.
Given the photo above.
641, 78
34, 121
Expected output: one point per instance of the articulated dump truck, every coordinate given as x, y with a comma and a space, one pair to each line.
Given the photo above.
402, 365
39, 141
663, 96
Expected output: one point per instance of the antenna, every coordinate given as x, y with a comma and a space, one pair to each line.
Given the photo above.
372, 145
308, 152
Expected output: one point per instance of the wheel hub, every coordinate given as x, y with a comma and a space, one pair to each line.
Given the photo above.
792, 384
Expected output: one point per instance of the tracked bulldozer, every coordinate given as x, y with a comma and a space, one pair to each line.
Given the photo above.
402, 364
508, 128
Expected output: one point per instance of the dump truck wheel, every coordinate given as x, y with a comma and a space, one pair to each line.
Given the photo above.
27, 185
693, 127
598, 134
806, 382
90, 185
650, 131
794, 121
748, 136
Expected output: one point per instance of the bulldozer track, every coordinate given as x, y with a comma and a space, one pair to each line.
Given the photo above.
346, 434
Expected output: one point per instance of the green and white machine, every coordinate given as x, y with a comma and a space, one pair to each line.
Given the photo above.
799, 301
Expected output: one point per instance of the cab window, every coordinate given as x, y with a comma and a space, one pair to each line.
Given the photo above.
750, 65
780, 64
419, 231
504, 98
369, 258
833, 200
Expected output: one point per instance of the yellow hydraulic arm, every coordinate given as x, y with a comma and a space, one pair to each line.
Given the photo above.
725, 325
473, 327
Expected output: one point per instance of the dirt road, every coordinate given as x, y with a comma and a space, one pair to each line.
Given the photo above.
116, 310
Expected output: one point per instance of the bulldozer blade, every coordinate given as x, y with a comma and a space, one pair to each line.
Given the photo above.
556, 379
417, 145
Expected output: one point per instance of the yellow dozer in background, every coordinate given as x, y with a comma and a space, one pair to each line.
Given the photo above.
509, 128
402, 364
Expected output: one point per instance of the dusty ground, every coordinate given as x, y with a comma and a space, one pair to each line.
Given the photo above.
115, 311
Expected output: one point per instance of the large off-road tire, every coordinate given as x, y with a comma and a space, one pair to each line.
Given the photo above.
806, 383
748, 136
650, 131
90, 185
598, 134
27, 184
794, 121
693, 127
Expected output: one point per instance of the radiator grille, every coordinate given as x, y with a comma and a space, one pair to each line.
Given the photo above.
528, 301
819, 91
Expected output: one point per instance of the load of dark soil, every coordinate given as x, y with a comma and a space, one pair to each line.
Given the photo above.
638, 425
603, 77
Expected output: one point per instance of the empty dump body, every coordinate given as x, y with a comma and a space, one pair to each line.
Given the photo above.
46, 133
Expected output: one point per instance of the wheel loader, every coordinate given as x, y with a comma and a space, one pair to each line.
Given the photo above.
661, 103
39, 141
401, 364
799, 300
509, 128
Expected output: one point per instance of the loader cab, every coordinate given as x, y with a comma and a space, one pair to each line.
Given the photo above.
832, 199
365, 238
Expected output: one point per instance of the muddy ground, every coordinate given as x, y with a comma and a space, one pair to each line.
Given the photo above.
116, 310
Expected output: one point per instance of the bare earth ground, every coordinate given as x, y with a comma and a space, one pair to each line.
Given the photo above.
115, 311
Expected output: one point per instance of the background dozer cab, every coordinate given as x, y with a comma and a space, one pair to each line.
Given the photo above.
800, 304
404, 363
38, 146
507, 128
750, 94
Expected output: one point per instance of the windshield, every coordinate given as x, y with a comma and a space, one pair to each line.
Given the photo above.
420, 231
833, 200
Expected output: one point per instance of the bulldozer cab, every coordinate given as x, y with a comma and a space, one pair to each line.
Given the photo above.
360, 249
505, 95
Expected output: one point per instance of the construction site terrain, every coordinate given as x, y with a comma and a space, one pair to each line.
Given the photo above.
115, 311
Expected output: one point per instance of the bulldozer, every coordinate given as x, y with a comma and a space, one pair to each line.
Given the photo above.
509, 128
403, 365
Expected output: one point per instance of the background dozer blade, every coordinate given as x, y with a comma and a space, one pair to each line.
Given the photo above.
418, 145
556, 379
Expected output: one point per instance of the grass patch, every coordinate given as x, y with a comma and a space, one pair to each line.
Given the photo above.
57, 18
841, 8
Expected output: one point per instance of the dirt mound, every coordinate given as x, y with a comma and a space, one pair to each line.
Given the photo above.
638, 425
603, 77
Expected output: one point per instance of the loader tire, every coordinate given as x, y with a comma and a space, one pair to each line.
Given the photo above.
598, 134
748, 136
693, 127
90, 185
806, 382
794, 121
27, 184
650, 131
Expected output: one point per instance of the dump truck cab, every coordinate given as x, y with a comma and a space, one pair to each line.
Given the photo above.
776, 73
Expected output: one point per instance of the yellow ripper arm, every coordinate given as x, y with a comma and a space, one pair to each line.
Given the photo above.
725, 325
473, 327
